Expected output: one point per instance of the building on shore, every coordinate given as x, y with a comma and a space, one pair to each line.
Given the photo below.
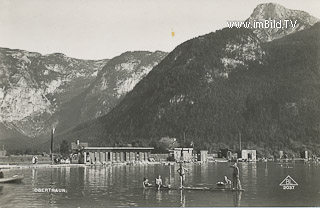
225, 153
249, 155
3, 152
304, 154
203, 156
77, 146
182, 154
96, 155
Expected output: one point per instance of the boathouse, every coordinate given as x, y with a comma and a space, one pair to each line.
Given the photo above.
95, 155
225, 153
76, 146
3, 152
249, 155
304, 154
203, 156
183, 154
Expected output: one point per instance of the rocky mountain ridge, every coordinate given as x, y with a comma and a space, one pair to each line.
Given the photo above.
296, 21
118, 77
37, 90
33, 86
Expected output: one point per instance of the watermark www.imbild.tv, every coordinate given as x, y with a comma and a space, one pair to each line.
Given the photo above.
284, 24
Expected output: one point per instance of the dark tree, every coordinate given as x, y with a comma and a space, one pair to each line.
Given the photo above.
64, 148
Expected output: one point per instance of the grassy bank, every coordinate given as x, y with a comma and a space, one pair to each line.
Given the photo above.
23, 160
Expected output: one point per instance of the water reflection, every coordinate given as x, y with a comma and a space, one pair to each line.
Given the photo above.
146, 194
254, 177
244, 170
248, 175
204, 171
34, 174
266, 170
182, 199
80, 180
237, 199
34, 177
117, 186
51, 176
170, 172
51, 199
158, 196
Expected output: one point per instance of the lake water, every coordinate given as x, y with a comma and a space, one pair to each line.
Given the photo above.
121, 186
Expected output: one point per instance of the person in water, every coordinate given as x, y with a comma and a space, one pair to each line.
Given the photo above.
226, 181
146, 183
182, 171
236, 177
158, 182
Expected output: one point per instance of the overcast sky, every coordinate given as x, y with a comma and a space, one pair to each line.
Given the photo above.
98, 29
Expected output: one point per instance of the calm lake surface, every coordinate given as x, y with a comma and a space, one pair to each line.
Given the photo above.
121, 186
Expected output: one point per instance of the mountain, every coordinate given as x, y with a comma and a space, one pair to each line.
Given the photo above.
213, 87
161, 104
35, 86
291, 21
38, 91
116, 79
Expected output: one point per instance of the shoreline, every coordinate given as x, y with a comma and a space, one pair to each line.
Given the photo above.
47, 165
28, 166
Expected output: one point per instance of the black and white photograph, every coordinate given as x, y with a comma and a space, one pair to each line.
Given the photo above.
159, 103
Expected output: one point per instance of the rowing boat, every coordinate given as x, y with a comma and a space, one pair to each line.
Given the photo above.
12, 179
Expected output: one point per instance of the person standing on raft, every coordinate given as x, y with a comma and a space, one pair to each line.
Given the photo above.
182, 175
236, 177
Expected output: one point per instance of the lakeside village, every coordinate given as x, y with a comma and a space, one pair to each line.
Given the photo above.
80, 153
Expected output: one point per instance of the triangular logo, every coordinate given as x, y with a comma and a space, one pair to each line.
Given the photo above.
288, 181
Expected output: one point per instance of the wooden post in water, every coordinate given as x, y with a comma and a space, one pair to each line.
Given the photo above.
169, 173
240, 140
51, 149
184, 140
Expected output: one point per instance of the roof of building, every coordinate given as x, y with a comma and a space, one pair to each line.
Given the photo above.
226, 149
118, 148
182, 148
74, 145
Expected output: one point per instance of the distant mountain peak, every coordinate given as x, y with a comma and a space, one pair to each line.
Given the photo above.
270, 10
57, 55
277, 12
